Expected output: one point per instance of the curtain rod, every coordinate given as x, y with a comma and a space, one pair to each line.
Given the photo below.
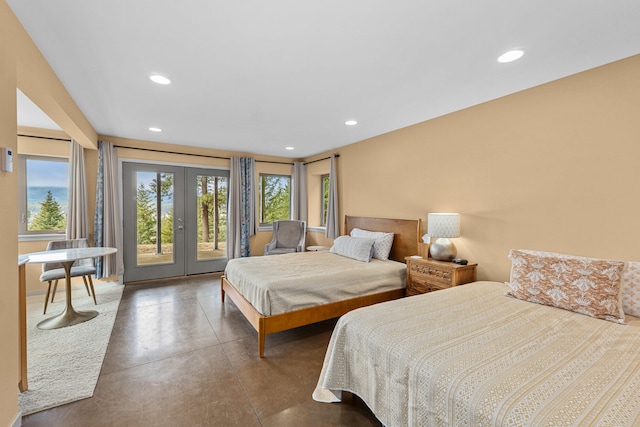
319, 160
44, 137
175, 152
197, 155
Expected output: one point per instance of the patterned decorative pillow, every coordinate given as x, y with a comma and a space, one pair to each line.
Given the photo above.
353, 247
584, 285
630, 289
381, 247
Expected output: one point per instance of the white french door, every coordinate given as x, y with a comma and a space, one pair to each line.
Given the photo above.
174, 220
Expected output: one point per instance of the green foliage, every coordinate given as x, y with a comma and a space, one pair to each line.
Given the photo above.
275, 198
325, 197
50, 217
166, 184
206, 202
167, 227
146, 215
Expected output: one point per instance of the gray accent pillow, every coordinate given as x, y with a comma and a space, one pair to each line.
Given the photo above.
357, 248
382, 246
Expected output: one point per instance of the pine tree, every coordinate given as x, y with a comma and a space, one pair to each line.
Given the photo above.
146, 216
50, 217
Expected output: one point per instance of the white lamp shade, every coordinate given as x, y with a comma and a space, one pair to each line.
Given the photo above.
443, 225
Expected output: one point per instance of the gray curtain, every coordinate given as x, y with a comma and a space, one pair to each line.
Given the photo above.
333, 228
107, 223
77, 214
299, 175
241, 224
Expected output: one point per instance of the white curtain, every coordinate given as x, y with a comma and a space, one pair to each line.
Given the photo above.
241, 224
299, 175
108, 226
77, 214
333, 228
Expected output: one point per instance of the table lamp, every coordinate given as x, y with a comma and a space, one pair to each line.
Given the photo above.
442, 227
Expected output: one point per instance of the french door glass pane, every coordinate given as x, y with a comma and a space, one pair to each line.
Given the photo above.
154, 218
211, 217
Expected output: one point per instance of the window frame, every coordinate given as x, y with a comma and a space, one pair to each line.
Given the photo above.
23, 207
262, 175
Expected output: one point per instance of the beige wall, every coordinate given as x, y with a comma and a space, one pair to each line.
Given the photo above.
8, 227
551, 168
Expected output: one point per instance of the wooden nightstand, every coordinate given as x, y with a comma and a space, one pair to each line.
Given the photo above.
426, 275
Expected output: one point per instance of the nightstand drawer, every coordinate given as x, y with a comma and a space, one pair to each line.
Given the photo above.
433, 274
427, 275
420, 286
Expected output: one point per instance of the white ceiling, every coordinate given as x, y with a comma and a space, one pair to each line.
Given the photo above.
256, 76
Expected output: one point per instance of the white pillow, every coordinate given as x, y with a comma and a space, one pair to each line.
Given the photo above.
630, 289
381, 247
353, 247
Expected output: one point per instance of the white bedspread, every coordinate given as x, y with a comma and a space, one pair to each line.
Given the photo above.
470, 356
282, 283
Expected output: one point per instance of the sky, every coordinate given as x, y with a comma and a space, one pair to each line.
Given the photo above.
45, 173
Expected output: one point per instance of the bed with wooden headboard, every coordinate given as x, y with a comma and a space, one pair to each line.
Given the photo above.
306, 275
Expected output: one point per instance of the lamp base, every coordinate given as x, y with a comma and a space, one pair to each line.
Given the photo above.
443, 249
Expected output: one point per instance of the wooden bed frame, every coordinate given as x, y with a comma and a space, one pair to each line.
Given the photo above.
405, 243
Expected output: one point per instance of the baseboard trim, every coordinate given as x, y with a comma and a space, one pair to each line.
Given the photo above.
18, 421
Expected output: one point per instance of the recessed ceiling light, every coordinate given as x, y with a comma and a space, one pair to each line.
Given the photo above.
289, 148
155, 129
351, 122
510, 56
161, 80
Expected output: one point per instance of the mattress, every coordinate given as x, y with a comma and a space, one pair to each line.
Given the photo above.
471, 356
283, 283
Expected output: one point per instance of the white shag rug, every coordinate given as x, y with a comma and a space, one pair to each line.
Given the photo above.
64, 364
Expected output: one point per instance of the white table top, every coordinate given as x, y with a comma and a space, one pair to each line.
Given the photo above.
62, 255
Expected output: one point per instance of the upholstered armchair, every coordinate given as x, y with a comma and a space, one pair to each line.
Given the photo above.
288, 236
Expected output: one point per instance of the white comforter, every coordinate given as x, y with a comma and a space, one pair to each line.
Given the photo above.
470, 356
282, 283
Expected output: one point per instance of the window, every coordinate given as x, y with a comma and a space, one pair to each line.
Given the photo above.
324, 202
275, 198
42, 194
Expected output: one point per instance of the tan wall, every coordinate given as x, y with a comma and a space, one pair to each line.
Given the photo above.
8, 226
551, 168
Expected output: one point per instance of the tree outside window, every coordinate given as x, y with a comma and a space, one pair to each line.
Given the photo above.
275, 198
43, 195
324, 203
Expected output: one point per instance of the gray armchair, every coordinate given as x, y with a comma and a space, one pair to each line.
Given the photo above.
54, 271
288, 237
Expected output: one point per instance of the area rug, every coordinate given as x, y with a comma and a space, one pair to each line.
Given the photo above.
64, 364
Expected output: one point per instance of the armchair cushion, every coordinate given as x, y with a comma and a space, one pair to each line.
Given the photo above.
58, 273
54, 270
288, 236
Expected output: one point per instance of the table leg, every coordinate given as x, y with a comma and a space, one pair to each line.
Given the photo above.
23, 385
69, 316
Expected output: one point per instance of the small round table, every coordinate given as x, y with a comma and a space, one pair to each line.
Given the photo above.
317, 248
67, 257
